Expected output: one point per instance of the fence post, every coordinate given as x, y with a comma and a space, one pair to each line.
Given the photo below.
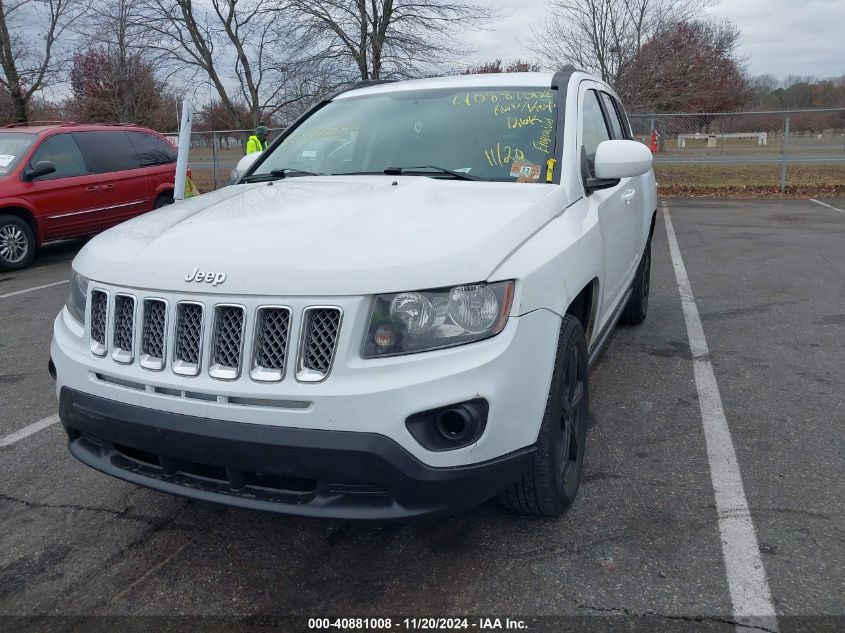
784, 147
215, 159
184, 149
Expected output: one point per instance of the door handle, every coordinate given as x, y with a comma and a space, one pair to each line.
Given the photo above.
92, 189
628, 196
108, 187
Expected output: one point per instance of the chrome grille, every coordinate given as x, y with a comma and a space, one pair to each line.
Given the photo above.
153, 334
124, 328
319, 341
160, 333
188, 341
99, 321
271, 344
227, 342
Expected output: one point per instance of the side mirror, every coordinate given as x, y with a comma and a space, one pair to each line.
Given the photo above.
41, 168
622, 159
243, 164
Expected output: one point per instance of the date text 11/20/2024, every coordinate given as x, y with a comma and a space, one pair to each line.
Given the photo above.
417, 624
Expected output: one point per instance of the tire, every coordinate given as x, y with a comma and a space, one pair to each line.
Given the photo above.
163, 201
551, 483
17, 243
637, 307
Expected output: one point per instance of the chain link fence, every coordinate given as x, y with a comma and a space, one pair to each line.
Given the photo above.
757, 153
739, 153
214, 155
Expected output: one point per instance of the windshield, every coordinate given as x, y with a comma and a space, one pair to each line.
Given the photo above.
486, 133
13, 146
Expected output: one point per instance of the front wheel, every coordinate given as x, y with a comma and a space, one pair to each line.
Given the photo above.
637, 307
551, 483
17, 243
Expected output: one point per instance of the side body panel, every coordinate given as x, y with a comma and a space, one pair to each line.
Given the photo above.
597, 238
122, 187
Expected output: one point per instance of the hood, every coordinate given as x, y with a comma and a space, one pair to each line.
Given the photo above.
324, 236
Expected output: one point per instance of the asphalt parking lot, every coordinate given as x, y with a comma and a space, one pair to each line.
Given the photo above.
643, 538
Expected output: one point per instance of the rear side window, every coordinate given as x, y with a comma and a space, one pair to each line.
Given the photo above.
63, 152
593, 130
152, 150
107, 151
615, 123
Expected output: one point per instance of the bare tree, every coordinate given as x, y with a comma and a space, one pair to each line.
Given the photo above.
31, 32
496, 66
382, 39
264, 61
605, 36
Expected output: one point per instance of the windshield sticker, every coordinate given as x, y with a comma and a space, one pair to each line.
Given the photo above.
525, 171
341, 131
550, 170
5, 159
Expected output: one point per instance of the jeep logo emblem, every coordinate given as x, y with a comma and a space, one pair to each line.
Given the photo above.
208, 277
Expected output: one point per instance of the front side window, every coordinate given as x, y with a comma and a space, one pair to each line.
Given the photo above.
593, 129
615, 123
13, 147
63, 152
107, 151
486, 133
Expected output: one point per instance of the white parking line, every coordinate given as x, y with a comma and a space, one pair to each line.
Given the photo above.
825, 204
749, 589
26, 431
33, 289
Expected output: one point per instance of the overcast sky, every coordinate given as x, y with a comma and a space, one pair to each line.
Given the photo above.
781, 37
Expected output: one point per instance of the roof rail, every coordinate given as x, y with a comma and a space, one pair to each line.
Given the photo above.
36, 123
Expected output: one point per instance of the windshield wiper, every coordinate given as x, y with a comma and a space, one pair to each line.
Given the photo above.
279, 172
398, 171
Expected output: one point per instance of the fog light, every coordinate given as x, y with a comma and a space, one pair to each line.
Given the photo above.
385, 336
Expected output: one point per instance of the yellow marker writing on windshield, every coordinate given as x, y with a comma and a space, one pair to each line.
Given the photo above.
550, 170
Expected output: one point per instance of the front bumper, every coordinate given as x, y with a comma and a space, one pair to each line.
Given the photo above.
511, 371
306, 472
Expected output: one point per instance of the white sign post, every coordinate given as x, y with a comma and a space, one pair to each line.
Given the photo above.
183, 150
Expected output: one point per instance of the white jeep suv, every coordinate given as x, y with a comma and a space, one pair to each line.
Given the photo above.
391, 313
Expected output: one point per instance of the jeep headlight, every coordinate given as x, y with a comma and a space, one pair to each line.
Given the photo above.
408, 322
77, 297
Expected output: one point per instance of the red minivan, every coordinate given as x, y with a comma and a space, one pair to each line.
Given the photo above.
62, 180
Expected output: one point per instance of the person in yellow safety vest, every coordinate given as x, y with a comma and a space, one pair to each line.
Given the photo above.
258, 141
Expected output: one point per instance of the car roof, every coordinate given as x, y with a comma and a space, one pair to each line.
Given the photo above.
38, 127
486, 80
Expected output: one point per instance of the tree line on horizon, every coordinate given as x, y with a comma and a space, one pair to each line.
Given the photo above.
265, 61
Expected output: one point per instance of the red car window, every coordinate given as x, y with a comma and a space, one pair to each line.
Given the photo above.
151, 149
63, 152
107, 151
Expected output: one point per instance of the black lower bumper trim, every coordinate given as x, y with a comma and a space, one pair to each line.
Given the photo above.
306, 472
